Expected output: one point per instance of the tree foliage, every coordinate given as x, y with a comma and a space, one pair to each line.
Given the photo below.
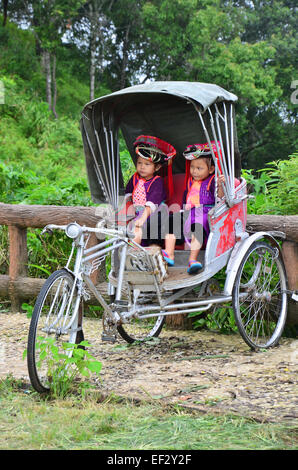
249, 48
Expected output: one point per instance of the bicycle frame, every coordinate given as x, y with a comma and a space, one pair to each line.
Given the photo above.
86, 261
119, 311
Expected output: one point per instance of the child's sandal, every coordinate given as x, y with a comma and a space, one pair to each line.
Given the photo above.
194, 266
168, 260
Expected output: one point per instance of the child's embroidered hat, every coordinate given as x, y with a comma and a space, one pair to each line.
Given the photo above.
154, 149
199, 150
194, 151
157, 151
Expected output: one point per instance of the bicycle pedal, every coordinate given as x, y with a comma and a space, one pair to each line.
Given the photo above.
108, 338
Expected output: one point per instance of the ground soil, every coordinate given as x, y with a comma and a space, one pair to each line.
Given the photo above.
203, 371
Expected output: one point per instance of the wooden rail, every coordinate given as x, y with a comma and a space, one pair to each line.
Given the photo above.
17, 286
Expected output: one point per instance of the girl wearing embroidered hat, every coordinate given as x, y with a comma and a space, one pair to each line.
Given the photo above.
145, 188
198, 199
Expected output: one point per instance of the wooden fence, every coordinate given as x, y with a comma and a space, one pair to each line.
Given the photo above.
17, 286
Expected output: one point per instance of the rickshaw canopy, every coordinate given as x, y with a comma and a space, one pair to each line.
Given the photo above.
175, 111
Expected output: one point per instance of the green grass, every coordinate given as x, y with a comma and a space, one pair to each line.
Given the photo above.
27, 421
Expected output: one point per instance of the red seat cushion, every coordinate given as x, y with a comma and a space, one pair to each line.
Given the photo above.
176, 200
174, 203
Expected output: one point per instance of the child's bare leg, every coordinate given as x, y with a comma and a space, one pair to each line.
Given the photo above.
170, 242
194, 266
138, 235
195, 247
169, 251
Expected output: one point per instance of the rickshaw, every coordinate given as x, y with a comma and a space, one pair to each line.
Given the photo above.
142, 288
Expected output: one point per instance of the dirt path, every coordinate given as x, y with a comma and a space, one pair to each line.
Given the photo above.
200, 370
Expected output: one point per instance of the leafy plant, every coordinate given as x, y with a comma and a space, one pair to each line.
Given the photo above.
127, 165
28, 309
221, 319
47, 253
274, 188
63, 366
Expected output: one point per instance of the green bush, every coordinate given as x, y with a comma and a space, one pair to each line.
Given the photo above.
274, 188
18, 56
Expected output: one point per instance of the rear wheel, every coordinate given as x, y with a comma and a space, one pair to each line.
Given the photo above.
140, 330
259, 296
52, 327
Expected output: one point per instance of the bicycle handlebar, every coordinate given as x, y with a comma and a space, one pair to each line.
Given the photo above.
50, 227
73, 230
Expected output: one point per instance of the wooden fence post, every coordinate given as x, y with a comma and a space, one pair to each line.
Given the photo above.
18, 259
290, 255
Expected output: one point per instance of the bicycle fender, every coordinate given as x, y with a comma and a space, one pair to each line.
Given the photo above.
239, 251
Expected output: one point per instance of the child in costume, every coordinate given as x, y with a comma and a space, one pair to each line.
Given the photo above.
198, 199
145, 188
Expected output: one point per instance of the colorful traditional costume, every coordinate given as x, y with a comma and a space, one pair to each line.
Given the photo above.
198, 199
145, 192
150, 193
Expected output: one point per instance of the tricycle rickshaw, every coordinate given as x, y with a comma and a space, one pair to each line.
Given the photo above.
143, 289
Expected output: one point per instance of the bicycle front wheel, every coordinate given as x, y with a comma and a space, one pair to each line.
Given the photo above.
260, 296
53, 326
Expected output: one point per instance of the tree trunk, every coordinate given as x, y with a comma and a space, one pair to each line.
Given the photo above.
36, 25
179, 322
125, 59
46, 58
97, 20
93, 18
18, 262
49, 64
290, 255
54, 86
5, 7
92, 71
